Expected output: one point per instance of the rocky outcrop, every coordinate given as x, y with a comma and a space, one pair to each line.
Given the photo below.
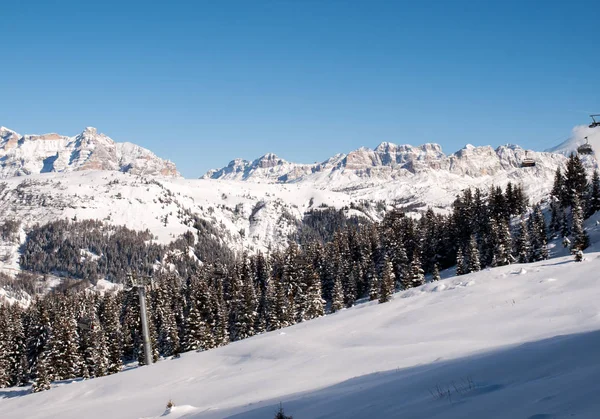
90, 150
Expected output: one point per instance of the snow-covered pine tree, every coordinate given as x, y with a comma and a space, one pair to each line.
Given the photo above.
37, 332
315, 307
387, 281
63, 346
197, 333
164, 317
565, 231
263, 277
555, 216
17, 354
109, 317
416, 269
435, 274
44, 376
576, 182
93, 345
4, 347
538, 235
337, 295
220, 330
373, 281
502, 254
350, 286
580, 238
523, 244
594, 194
460, 262
473, 264
558, 188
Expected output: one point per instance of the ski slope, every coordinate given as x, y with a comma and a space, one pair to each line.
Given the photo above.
513, 342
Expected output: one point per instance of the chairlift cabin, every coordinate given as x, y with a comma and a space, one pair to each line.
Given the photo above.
527, 161
585, 148
595, 123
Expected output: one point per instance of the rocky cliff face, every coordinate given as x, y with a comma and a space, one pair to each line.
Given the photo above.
90, 150
389, 162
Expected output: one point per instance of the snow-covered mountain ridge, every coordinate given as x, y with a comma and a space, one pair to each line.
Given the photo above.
90, 150
397, 163
386, 162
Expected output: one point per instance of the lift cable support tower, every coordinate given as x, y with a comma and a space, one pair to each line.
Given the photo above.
141, 282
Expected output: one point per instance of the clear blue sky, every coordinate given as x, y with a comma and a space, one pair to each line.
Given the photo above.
203, 82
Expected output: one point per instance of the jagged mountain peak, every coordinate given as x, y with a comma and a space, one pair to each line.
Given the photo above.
89, 150
393, 162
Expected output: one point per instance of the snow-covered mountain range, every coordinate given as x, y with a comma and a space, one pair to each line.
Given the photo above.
90, 150
392, 162
254, 205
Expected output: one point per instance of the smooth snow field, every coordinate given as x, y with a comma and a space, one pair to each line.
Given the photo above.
521, 341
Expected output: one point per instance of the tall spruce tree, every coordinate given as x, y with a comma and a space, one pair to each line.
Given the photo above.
387, 281
337, 295
109, 318
580, 238
523, 244
460, 262
473, 264
594, 195
435, 274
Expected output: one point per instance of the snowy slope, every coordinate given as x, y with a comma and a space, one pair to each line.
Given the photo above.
162, 205
90, 150
513, 342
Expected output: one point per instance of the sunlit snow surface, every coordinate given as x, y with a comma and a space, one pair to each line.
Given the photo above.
511, 342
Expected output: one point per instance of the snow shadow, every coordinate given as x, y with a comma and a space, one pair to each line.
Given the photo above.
557, 377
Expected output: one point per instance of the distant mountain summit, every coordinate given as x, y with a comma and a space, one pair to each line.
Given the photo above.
391, 162
90, 150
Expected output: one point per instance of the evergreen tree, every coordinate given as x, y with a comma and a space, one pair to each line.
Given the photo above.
538, 235
93, 345
314, 300
38, 332
109, 318
337, 295
523, 244
197, 333
63, 346
220, 316
575, 181
580, 238
594, 201
460, 263
565, 231
44, 377
387, 282
473, 256
435, 274
555, 217
4, 348
502, 252
558, 188
415, 276
374, 282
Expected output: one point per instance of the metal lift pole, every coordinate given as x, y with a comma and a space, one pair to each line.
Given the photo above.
140, 284
145, 330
